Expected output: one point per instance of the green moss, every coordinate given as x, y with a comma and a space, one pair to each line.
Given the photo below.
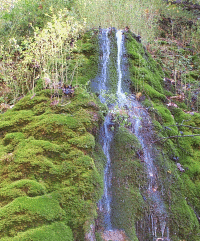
128, 174
28, 102
146, 75
152, 93
11, 140
26, 212
57, 231
86, 141
87, 55
166, 115
181, 190
184, 219
47, 171
12, 120
22, 188
179, 115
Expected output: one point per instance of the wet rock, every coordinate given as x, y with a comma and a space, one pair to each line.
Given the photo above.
114, 235
93, 105
140, 155
68, 90
142, 98
180, 168
90, 236
175, 158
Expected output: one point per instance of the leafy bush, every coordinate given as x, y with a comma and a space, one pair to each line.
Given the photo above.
26, 15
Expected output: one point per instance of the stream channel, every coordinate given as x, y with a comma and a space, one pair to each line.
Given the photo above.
153, 227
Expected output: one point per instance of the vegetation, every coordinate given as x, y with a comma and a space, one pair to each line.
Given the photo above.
181, 188
51, 164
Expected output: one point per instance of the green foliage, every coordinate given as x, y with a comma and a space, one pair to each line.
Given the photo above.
26, 15
49, 59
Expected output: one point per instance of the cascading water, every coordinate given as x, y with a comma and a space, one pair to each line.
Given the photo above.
101, 85
104, 204
105, 55
119, 53
142, 129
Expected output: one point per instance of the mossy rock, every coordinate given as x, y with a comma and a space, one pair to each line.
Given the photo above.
57, 231
128, 173
26, 212
146, 74
48, 173
23, 187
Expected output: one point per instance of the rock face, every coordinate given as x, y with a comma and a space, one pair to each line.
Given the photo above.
114, 235
180, 168
90, 236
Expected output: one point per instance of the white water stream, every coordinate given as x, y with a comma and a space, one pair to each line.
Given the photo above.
140, 122
105, 55
105, 202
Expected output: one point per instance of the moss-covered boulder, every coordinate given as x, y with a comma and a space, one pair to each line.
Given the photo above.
49, 183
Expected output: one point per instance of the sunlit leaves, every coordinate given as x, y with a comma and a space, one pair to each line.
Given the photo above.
47, 53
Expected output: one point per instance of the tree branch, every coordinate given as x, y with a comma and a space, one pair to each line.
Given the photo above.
192, 127
171, 137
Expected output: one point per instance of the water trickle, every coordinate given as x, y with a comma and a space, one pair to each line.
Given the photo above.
106, 133
105, 203
141, 127
119, 53
104, 57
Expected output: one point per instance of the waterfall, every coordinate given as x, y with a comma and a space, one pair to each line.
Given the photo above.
141, 127
105, 202
104, 59
119, 55
106, 133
